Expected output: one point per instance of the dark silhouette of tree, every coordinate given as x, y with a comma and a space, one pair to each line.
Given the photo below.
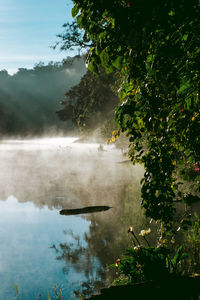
72, 38
91, 102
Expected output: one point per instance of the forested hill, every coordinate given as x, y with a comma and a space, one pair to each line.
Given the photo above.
30, 98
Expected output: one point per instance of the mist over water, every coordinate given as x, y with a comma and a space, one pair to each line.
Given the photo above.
38, 177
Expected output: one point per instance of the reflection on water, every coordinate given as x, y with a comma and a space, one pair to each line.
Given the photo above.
26, 257
40, 247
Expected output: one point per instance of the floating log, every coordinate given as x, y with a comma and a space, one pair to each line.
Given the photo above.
83, 210
127, 161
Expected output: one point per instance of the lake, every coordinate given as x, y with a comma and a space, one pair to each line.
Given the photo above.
40, 248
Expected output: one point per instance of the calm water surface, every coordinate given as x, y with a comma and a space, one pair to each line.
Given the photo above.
39, 247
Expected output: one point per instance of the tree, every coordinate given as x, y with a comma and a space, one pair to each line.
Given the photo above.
91, 102
154, 46
72, 37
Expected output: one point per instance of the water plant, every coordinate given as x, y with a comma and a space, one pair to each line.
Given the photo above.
158, 263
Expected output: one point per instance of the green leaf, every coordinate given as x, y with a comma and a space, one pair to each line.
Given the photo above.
183, 87
117, 63
109, 69
104, 15
171, 13
113, 22
102, 35
180, 148
93, 67
185, 37
75, 10
187, 152
104, 56
79, 20
177, 256
188, 102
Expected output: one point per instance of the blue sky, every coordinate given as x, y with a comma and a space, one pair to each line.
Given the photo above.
27, 30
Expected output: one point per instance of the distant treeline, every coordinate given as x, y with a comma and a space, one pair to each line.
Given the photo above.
30, 98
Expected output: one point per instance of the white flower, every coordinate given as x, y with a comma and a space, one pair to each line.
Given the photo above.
130, 229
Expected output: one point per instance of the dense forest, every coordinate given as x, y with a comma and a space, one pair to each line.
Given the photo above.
30, 98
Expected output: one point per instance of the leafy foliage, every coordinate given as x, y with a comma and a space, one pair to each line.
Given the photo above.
154, 46
143, 263
91, 102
